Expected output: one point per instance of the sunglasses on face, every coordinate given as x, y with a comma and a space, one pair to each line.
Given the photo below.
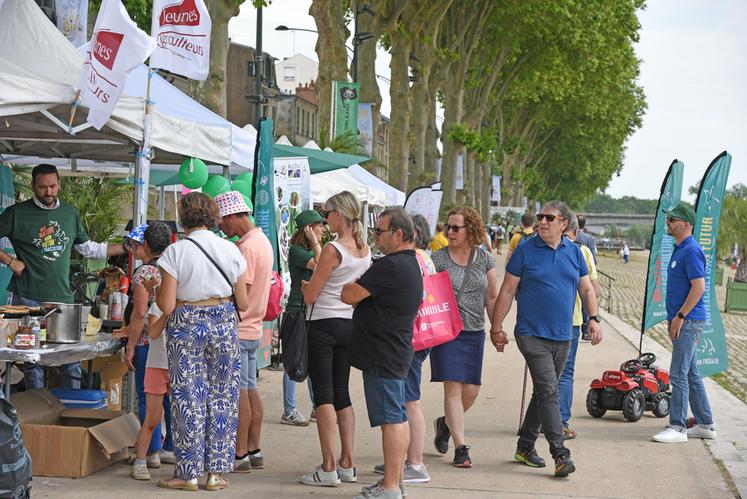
671, 220
325, 213
453, 228
378, 231
548, 217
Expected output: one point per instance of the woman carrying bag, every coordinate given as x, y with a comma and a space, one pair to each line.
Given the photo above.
458, 363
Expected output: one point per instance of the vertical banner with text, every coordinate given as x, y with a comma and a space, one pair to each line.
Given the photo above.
182, 33
712, 354
662, 245
344, 108
366, 128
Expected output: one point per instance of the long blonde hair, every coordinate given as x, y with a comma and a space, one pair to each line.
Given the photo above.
349, 208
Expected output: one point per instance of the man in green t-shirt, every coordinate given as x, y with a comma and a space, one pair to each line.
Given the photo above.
43, 231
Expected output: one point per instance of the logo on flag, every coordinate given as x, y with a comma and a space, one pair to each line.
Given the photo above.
106, 46
182, 32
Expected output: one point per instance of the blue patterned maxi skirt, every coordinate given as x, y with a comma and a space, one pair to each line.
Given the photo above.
203, 352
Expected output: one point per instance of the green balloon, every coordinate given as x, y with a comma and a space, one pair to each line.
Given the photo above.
193, 173
242, 186
216, 184
247, 177
248, 203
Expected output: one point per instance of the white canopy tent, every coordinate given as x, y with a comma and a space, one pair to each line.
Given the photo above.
39, 73
327, 184
394, 197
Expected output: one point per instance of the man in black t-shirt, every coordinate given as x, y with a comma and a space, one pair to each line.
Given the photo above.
386, 299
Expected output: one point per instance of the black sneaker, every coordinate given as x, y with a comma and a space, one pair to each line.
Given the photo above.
441, 441
563, 465
461, 457
529, 457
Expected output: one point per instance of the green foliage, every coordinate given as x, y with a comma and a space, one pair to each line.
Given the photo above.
22, 182
99, 202
140, 11
347, 143
640, 235
733, 221
604, 203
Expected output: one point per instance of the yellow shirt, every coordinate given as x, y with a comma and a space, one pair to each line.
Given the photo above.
516, 238
439, 241
577, 315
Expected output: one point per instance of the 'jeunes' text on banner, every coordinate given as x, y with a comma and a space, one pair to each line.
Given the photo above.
662, 245
712, 354
117, 47
182, 32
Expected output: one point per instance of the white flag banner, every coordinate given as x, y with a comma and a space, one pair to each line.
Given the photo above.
459, 180
117, 47
425, 201
72, 19
496, 189
182, 32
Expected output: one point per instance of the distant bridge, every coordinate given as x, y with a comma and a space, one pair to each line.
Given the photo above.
598, 223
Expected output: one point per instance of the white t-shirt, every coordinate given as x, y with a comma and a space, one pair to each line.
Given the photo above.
157, 350
196, 277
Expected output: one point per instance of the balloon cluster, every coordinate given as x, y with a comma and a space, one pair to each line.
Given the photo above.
193, 173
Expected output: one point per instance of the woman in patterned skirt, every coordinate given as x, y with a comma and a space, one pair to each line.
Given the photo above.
202, 345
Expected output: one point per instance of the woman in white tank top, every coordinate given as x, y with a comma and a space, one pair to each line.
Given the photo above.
329, 335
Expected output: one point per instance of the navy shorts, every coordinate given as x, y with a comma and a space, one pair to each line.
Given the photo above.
385, 399
412, 384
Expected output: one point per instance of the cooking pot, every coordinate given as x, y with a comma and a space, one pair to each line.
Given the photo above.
63, 322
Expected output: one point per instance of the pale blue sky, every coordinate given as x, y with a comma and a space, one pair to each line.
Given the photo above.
694, 73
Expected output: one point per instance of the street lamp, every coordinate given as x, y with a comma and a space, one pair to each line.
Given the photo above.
286, 28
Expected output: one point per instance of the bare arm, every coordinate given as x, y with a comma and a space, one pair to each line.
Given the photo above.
500, 309
491, 293
166, 297
241, 292
155, 326
329, 260
139, 310
597, 288
353, 293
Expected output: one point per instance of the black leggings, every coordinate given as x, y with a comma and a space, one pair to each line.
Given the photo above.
329, 361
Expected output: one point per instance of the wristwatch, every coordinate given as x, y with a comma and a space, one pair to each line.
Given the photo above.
595, 318
680, 316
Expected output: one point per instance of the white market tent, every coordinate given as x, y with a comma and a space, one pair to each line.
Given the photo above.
39, 74
327, 184
394, 197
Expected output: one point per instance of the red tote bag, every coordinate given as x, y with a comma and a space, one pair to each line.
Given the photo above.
438, 320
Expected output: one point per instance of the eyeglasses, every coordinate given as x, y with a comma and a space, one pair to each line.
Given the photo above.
673, 219
325, 213
453, 228
378, 231
548, 217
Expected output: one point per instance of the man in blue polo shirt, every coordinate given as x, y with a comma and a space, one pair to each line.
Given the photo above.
686, 315
544, 275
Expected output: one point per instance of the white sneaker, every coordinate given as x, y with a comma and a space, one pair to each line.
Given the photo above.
140, 472
322, 478
347, 475
701, 431
243, 465
153, 460
167, 457
669, 436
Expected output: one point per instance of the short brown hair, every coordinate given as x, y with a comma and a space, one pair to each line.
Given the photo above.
197, 210
474, 226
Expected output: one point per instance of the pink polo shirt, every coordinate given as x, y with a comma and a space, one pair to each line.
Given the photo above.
257, 250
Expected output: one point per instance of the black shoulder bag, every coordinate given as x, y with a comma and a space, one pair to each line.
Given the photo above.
233, 296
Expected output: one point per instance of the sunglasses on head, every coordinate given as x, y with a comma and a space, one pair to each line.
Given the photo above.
453, 228
547, 216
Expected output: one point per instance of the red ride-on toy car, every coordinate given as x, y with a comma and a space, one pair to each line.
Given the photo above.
638, 386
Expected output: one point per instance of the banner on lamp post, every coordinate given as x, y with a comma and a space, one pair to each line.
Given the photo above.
662, 245
344, 108
182, 32
72, 20
117, 47
711, 353
459, 178
496, 195
366, 128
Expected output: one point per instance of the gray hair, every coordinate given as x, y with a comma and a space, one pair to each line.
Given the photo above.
562, 208
572, 224
422, 231
399, 219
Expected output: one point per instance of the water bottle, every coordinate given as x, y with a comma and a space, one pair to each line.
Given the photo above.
115, 312
36, 331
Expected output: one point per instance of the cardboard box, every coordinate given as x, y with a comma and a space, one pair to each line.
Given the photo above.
72, 443
111, 383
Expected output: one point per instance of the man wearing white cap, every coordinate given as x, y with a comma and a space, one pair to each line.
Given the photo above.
257, 250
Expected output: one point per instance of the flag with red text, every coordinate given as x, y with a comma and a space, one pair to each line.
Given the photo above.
182, 32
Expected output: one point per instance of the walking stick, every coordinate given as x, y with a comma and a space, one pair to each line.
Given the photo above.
523, 397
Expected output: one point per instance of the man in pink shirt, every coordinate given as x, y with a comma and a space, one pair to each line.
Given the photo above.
257, 250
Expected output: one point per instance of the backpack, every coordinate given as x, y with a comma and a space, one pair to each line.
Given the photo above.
276, 294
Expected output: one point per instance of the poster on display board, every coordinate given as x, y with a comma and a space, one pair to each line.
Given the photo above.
293, 195
425, 201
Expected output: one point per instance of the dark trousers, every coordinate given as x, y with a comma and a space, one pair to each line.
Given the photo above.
546, 360
329, 361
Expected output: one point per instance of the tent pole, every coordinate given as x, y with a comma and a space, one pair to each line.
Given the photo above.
162, 202
142, 170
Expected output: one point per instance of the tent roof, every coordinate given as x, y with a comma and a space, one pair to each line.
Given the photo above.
326, 184
39, 74
394, 197
319, 161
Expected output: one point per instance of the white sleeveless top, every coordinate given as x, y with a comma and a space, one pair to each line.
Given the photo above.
328, 304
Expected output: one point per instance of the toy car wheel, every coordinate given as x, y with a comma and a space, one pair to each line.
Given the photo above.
661, 405
594, 403
633, 405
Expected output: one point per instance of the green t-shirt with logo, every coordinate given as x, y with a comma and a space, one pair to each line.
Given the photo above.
43, 240
298, 257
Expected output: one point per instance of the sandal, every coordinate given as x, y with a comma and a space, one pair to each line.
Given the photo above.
216, 482
190, 485
568, 434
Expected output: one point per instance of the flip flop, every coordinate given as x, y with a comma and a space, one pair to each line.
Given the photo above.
189, 485
216, 482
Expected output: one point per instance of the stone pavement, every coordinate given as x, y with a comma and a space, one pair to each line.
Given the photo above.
615, 458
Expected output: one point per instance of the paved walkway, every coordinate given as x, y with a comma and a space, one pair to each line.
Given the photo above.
615, 459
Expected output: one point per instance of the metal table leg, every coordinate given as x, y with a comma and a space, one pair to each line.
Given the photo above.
6, 381
90, 374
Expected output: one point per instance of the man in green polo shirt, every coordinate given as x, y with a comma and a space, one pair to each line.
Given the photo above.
43, 231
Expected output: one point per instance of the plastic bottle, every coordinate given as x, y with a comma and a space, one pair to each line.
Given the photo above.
115, 313
36, 331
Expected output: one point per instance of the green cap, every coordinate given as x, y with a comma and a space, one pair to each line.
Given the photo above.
682, 211
307, 217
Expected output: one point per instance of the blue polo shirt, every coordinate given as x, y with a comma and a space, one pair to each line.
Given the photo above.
548, 287
687, 263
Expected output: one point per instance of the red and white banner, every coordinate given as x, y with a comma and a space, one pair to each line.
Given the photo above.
182, 32
117, 47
